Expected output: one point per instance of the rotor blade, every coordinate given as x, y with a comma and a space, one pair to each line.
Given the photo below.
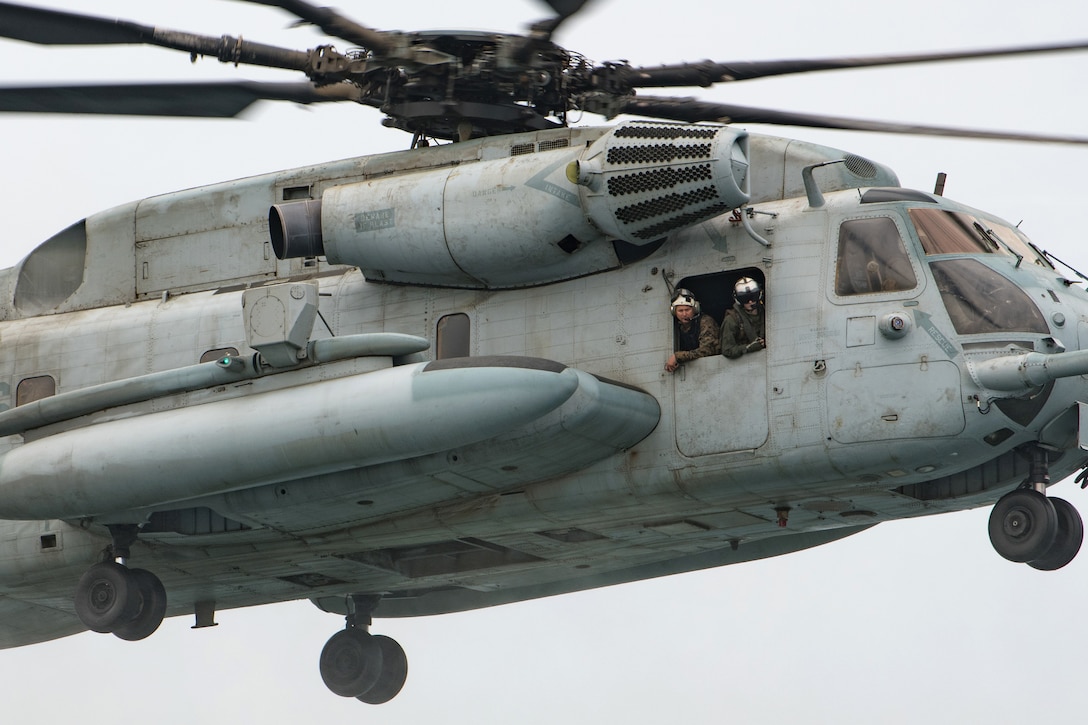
566, 8
707, 72
334, 24
53, 27
541, 32
690, 109
209, 100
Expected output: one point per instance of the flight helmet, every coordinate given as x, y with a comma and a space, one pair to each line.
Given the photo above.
683, 297
747, 289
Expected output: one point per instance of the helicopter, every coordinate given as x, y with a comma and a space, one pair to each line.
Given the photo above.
705, 287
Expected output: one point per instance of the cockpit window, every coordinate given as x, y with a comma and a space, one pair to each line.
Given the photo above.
953, 232
979, 300
872, 258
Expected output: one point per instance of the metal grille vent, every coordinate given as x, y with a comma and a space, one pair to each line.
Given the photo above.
657, 179
522, 149
667, 204
558, 143
672, 223
657, 153
662, 177
859, 166
665, 131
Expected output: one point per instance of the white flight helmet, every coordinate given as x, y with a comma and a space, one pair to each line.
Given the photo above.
683, 297
747, 289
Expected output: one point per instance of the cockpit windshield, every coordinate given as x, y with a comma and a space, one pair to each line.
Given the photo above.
980, 301
954, 232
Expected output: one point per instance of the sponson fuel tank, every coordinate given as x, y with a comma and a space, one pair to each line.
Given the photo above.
334, 425
524, 220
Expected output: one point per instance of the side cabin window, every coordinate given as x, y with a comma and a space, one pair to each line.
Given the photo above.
715, 291
872, 258
30, 389
452, 336
942, 231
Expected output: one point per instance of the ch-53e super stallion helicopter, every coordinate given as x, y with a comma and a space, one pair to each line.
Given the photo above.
463, 346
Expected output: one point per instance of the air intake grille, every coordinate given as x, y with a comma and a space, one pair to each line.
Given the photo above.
662, 177
859, 166
667, 204
557, 143
665, 131
657, 154
521, 149
672, 223
666, 178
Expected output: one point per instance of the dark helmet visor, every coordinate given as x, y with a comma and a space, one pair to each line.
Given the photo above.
748, 296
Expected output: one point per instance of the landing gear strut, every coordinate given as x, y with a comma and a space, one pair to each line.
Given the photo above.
110, 597
355, 663
1027, 526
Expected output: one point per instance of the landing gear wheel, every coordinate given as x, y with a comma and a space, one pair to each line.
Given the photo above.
1023, 525
152, 607
1066, 543
106, 597
351, 662
394, 672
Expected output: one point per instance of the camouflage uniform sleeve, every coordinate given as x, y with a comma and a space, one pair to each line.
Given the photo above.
708, 341
732, 344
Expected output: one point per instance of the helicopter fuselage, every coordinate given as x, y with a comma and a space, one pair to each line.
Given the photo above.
456, 426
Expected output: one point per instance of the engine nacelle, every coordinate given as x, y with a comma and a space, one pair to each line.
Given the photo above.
645, 180
527, 219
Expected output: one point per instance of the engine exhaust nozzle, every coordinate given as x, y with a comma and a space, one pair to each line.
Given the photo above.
295, 228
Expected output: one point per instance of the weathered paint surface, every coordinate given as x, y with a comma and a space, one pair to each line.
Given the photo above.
499, 486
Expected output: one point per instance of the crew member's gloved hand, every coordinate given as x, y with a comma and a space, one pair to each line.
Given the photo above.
757, 345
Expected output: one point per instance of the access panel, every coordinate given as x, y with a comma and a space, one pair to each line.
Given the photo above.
889, 402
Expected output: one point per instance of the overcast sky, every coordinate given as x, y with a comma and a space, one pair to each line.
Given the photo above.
916, 621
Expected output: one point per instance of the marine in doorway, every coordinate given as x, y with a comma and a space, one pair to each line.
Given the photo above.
696, 334
744, 328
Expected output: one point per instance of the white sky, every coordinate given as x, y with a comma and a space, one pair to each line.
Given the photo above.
916, 621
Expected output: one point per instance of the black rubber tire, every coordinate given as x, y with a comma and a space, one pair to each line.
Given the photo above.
394, 672
106, 597
351, 662
1023, 525
1068, 541
152, 607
